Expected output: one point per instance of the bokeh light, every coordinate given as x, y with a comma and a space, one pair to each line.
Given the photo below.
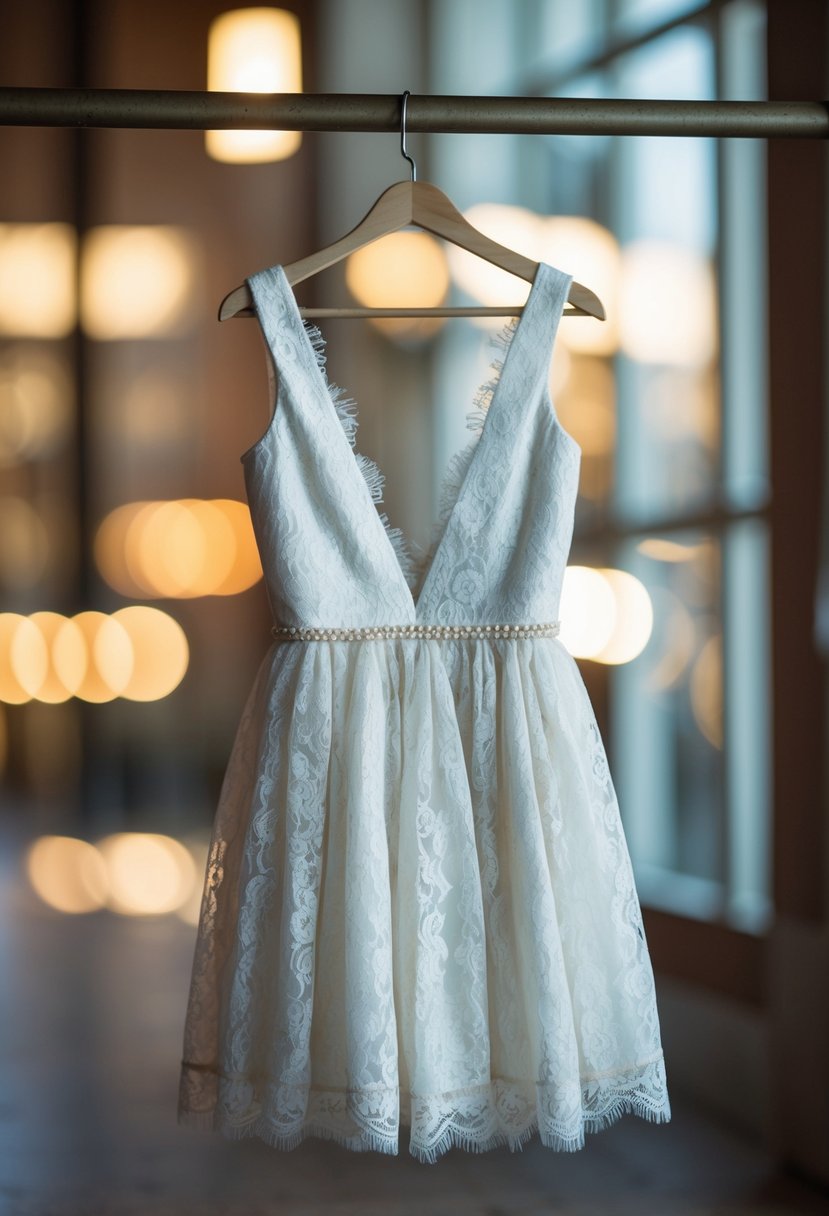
587, 611
606, 614
515, 227
633, 622
171, 548
24, 658
139, 653
578, 246
667, 305
67, 657
246, 570
159, 651
590, 252
664, 550
137, 282
110, 657
254, 50
110, 550
400, 270
37, 280
67, 874
147, 874
178, 548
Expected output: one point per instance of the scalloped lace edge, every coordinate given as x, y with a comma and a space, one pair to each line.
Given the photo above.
413, 559
654, 1107
372, 1142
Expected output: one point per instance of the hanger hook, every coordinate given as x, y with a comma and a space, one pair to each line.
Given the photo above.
403, 136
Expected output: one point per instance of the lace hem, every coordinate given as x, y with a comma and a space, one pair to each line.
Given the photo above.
502, 1113
413, 559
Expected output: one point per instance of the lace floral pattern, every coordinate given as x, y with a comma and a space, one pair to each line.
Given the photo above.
419, 910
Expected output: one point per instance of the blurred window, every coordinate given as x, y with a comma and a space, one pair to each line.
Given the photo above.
672, 420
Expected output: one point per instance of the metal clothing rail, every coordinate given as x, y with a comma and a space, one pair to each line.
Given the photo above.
198, 111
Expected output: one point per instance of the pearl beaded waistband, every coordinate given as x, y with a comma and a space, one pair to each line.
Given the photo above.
310, 633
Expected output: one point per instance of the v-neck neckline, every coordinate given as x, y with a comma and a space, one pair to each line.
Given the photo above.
414, 602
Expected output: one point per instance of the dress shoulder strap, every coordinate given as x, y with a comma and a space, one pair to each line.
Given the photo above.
553, 290
530, 350
268, 305
278, 314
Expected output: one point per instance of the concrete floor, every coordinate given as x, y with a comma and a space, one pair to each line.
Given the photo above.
91, 1009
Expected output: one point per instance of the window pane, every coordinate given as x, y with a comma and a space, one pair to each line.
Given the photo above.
665, 215
559, 32
668, 404
667, 712
638, 16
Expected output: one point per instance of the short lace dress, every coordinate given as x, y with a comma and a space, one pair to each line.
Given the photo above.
419, 914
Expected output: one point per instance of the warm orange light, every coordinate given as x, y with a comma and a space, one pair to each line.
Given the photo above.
606, 614
515, 227
67, 657
579, 246
135, 549
660, 549
403, 270
148, 874
633, 623
70, 654
68, 874
139, 653
136, 282
160, 651
667, 305
172, 550
587, 611
247, 566
254, 50
178, 548
218, 548
37, 280
110, 663
109, 548
24, 658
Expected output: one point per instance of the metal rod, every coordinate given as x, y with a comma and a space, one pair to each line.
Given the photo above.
199, 111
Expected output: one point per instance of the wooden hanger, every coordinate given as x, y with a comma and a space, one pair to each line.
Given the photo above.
422, 204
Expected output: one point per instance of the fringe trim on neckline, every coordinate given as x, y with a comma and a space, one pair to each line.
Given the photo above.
413, 560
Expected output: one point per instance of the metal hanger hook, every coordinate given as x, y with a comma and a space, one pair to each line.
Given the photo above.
403, 136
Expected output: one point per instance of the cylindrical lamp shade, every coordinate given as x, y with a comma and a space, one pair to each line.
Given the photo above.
254, 50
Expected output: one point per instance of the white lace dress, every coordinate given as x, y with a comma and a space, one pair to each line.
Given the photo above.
418, 909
